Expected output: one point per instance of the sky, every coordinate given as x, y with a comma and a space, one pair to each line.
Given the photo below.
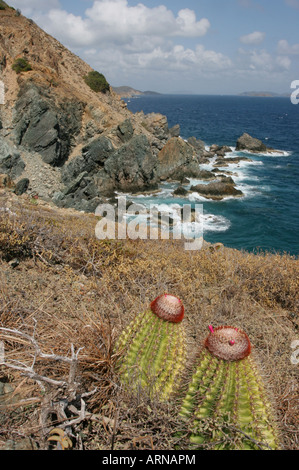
172, 46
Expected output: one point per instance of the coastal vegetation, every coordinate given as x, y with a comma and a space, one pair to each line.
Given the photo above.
21, 65
66, 298
97, 82
3, 5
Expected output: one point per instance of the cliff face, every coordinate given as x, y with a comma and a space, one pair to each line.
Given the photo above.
75, 146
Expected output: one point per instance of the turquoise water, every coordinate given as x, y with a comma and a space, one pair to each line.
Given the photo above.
266, 218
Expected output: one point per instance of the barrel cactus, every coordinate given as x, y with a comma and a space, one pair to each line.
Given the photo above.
226, 406
152, 349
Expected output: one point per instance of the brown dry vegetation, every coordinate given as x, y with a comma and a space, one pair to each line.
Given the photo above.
70, 288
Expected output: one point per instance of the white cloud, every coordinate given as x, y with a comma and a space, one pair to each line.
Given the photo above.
117, 38
283, 48
283, 62
255, 38
29, 7
188, 26
185, 59
155, 45
108, 21
175, 61
261, 62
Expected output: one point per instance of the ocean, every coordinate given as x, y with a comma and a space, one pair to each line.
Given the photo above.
266, 218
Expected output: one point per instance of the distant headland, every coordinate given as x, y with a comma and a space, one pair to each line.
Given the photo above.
128, 92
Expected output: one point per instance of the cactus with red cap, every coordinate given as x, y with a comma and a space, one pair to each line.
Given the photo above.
152, 349
226, 403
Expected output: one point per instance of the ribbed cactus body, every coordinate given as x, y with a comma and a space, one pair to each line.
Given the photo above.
226, 404
152, 354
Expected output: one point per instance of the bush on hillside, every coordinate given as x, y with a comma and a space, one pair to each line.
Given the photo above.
3, 5
21, 65
97, 82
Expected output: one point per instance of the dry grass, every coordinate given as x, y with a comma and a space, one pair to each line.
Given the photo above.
71, 288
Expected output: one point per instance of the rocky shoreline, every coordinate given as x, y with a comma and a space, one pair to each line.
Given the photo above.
64, 143
31, 161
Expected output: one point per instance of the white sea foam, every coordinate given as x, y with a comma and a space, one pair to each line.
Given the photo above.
274, 153
215, 223
193, 197
203, 222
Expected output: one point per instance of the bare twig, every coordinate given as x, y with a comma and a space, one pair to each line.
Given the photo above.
29, 370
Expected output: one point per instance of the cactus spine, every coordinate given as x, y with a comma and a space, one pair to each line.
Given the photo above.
152, 349
226, 402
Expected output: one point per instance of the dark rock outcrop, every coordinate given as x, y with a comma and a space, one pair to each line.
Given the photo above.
224, 162
250, 144
180, 191
11, 162
175, 131
92, 159
21, 186
217, 190
133, 166
177, 160
45, 127
102, 169
125, 130
157, 125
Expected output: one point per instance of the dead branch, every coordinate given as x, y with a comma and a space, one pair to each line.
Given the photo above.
29, 370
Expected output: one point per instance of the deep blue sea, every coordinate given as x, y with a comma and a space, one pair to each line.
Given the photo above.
266, 218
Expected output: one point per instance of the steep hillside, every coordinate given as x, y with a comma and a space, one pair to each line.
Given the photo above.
67, 137
58, 134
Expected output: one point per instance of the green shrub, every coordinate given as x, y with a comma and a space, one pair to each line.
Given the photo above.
97, 82
21, 65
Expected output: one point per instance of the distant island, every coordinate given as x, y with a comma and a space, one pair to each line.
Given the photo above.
128, 92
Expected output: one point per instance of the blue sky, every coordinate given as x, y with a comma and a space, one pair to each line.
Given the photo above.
194, 46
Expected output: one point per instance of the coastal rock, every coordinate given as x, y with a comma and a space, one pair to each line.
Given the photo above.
177, 160
133, 166
21, 186
206, 175
101, 169
175, 131
92, 159
226, 161
44, 127
10, 160
217, 190
222, 151
197, 144
180, 191
219, 150
157, 125
214, 148
246, 142
125, 130
206, 155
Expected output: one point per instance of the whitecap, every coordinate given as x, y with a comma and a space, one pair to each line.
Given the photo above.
193, 197
274, 153
204, 223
